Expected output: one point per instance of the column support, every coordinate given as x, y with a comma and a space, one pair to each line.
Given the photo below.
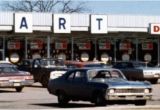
136, 49
72, 49
115, 49
26, 48
95, 54
3, 53
48, 46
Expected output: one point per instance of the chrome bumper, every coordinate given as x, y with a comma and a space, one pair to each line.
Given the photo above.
151, 76
16, 83
129, 96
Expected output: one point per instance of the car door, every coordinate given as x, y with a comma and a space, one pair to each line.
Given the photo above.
81, 85
77, 85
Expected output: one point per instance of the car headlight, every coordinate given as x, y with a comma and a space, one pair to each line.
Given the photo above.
146, 90
111, 91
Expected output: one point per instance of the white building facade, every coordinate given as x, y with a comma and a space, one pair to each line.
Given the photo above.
79, 36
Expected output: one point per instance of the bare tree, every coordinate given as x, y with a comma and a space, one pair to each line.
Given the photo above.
63, 6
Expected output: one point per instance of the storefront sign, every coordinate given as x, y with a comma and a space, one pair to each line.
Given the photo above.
147, 57
14, 57
99, 24
104, 57
84, 46
125, 46
104, 45
36, 44
62, 56
60, 45
36, 55
147, 46
125, 57
84, 56
23, 23
13, 45
62, 23
155, 28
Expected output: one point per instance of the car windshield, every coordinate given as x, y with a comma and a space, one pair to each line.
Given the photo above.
8, 69
105, 74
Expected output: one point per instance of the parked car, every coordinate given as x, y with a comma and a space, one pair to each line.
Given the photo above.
89, 64
43, 68
11, 77
138, 71
100, 86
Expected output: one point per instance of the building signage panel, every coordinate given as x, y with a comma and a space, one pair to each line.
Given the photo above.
62, 23
155, 28
36, 44
84, 46
60, 45
99, 24
23, 23
14, 45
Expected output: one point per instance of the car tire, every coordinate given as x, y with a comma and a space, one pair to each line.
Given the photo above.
44, 81
100, 100
19, 89
154, 81
140, 102
62, 99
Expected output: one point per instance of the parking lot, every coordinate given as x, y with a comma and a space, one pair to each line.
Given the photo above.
36, 97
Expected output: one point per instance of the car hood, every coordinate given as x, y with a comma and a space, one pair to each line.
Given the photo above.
19, 73
149, 68
123, 83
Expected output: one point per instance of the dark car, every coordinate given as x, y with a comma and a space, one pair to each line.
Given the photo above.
100, 86
138, 71
11, 77
41, 68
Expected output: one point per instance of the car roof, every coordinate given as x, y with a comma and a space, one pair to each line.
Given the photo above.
95, 69
82, 64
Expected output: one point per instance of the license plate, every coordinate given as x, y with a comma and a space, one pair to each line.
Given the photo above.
17, 84
130, 97
156, 75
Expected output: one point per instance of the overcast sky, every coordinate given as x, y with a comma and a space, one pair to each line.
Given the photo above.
125, 6
142, 7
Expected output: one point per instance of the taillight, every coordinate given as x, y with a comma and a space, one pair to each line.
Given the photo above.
4, 79
28, 77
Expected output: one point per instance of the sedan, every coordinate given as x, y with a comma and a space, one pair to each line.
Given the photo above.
100, 86
138, 71
11, 77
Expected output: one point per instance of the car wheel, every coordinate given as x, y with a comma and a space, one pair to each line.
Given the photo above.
62, 99
19, 89
100, 100
44, 81
154, 81
140, 102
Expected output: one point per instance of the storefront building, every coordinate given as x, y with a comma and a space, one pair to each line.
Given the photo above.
84, 37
